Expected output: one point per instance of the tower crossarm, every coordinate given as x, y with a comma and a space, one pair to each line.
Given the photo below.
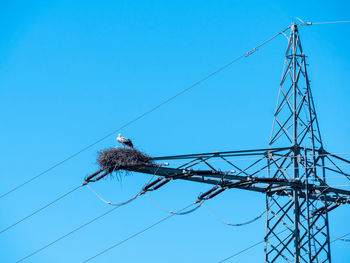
310, 180
255, 184
259, 170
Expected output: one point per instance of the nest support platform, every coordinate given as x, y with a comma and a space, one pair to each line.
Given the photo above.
116, 159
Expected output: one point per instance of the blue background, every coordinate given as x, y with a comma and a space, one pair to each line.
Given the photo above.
73, 71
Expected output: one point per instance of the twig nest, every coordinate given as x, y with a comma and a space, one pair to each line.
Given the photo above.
122, 158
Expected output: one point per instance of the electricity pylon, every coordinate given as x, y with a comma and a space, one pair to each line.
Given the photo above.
299, 232
291, 171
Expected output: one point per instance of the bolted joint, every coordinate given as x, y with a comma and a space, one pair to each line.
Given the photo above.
295, 149
294, 27
268, 154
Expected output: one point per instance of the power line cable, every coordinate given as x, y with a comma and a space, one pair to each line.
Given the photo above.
136, 234
330, 22
69, 233
144, 192
241, 251
125, 125
172, 212
111, 203
40, 209
160, 221
158, 106
236, 224
133, 198
115, 206
145, 113
342, 238
66, 194
107, 212
126, 202
262, 241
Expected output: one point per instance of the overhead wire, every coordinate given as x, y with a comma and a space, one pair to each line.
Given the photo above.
262, 241
137, 195
179, 212
144, 192
106, 136
111, 203
236, 224
115, 206
246, 54
143, 230
280, 232
128, 201
40, 209
132, 236
172, 212
69, 233
241, 251
330, 22
136, 234
61, 197
342, 238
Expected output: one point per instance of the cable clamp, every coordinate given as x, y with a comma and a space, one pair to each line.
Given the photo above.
251, 52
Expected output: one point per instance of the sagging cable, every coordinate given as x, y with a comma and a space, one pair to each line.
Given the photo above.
111, 203
231, 224
172, 212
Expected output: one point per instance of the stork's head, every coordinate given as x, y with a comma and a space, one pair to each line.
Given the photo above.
119, 135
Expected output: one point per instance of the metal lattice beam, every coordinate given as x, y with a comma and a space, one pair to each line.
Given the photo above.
291, 172
296, 110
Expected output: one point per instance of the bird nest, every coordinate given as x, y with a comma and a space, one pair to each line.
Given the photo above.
115, 159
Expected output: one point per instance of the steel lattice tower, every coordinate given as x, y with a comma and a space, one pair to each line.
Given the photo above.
291, 172
298, 234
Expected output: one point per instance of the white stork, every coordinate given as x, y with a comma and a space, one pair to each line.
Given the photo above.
124, 141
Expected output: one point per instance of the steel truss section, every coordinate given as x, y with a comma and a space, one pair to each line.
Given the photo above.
291, 172
294, 231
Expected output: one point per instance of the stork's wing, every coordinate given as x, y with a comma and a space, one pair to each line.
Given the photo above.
126, 141
129, 143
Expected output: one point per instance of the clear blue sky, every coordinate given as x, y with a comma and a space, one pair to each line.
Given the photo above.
72, 71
